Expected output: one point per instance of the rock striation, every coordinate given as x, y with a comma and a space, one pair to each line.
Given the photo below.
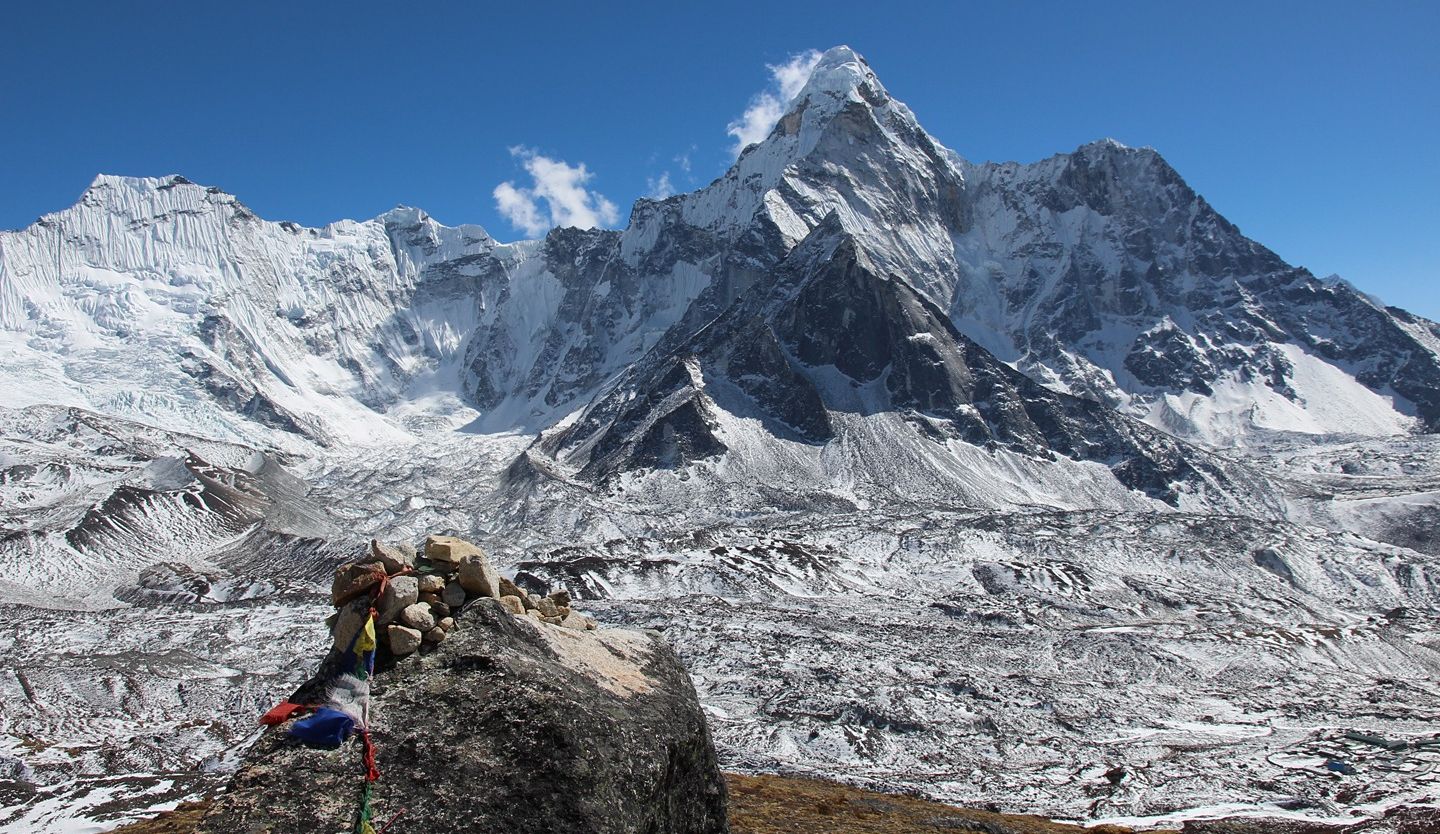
519, 716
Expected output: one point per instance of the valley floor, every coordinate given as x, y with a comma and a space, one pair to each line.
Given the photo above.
1096, 665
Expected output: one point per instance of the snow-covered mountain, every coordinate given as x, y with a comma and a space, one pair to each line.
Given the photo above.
1099, 273
1026, 411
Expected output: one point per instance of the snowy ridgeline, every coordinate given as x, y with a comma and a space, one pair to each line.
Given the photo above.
1129, 491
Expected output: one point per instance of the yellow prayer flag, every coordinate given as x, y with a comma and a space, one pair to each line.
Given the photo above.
366, 641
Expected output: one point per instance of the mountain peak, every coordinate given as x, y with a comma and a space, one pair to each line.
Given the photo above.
103, 182
841, 75
403, 215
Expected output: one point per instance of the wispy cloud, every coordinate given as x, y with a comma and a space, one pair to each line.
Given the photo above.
766, 108
557, 196
659, 188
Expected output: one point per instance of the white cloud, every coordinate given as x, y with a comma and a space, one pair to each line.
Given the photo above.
560, 187
660, 188
766, 108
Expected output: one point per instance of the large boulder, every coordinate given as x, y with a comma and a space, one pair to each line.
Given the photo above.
401, 592
478, 577
508, 725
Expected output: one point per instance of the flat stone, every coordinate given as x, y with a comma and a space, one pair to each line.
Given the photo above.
354, 579
550, 620
513, 605
533, 614
574, 621
448, 624
449, 550
400, 593
453, 596
432, 583
403, 640
435, 635
509, 589
479, 577
395, 558
418, 617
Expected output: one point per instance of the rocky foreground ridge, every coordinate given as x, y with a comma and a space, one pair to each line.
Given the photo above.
490, 710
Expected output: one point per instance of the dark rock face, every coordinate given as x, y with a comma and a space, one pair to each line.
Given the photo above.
826, 313
508, 725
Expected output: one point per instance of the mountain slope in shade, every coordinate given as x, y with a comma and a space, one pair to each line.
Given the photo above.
845, 368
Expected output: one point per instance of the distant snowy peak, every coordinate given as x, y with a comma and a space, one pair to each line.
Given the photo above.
1102, 272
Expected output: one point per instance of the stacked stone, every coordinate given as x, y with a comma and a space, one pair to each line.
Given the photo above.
423, 594
552, 610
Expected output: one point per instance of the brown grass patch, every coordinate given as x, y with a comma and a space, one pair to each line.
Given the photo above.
794, 805
182, 820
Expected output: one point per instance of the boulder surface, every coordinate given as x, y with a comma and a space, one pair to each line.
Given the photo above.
508, 725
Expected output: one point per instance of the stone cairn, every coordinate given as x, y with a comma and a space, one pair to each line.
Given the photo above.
423, 593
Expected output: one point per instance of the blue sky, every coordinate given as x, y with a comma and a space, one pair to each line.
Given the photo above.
1314, 126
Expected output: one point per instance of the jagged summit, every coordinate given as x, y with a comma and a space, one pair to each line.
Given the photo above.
841, 75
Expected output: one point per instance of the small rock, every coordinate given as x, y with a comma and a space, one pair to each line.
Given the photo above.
418, 617
513, 605
548, 608
432, 599
435, 635
439, 609
533, 613
532, 601
550, 620
395, 558
510, 589
574, 621
590, 624
561, 599
403, 640
349, 620
401, 592
449, 550
354, 579
564, 611
448, 624
453, 595
432, 583
479, 577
